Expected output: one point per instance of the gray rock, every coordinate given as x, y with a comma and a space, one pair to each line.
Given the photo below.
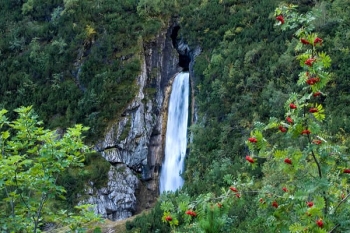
117, 200
134, 144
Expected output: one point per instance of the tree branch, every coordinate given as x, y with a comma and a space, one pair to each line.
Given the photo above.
11, 202
333, 229
42, 202
315, 159
342, 201
20, 194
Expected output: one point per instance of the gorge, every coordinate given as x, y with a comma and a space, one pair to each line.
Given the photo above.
135, 143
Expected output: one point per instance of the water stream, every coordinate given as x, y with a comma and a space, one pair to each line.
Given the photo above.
176, 135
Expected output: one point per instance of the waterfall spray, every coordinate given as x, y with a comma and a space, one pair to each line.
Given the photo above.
176, 135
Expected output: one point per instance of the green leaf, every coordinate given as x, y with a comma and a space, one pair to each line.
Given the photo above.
273, 123
5, 135
167, 206
319, 202
183, 206
280, 154
228, 178
301, 195
296, 228
302, 79
325, 59
319, 115
3, 112
315, 211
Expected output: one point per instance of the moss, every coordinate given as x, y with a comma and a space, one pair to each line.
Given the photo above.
126, 130
120, 169
98, 168
150, 91
154, 72
75, 179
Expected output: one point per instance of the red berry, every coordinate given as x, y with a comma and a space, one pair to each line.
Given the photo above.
168, 218
310, 61
312, 81
346, 171
316, 141
280, 18
275, 204
282, 129
316, 94
285, 189
233, 189
249, 159
313, 110
304, 41
191, 213
310, 204
238, 195
305, 132
319, 223
288, 160
253, 140
318, 40
289, 120
292, 106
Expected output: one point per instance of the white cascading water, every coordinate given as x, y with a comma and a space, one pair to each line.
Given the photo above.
176, 135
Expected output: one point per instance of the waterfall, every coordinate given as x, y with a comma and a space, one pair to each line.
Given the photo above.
176, 135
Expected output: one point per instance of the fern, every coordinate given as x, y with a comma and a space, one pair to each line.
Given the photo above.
325, 59
319, 115
167, 206
302, 79
296, 228
279, 154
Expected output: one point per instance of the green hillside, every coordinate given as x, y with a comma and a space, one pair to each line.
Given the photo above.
74, 61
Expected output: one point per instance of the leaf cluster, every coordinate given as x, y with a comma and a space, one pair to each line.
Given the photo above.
31, 160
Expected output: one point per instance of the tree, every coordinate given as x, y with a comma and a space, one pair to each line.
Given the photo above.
31, 159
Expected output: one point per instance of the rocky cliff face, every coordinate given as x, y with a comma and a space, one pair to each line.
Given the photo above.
134, 144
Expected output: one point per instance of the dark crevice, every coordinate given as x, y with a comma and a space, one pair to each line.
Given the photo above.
184, 62
110, 147
174, 34
182, 49
115, 163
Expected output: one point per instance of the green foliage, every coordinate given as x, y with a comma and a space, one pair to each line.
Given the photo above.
148, 222
74, 61
75, 179
155, 8
309, 174
31, 160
